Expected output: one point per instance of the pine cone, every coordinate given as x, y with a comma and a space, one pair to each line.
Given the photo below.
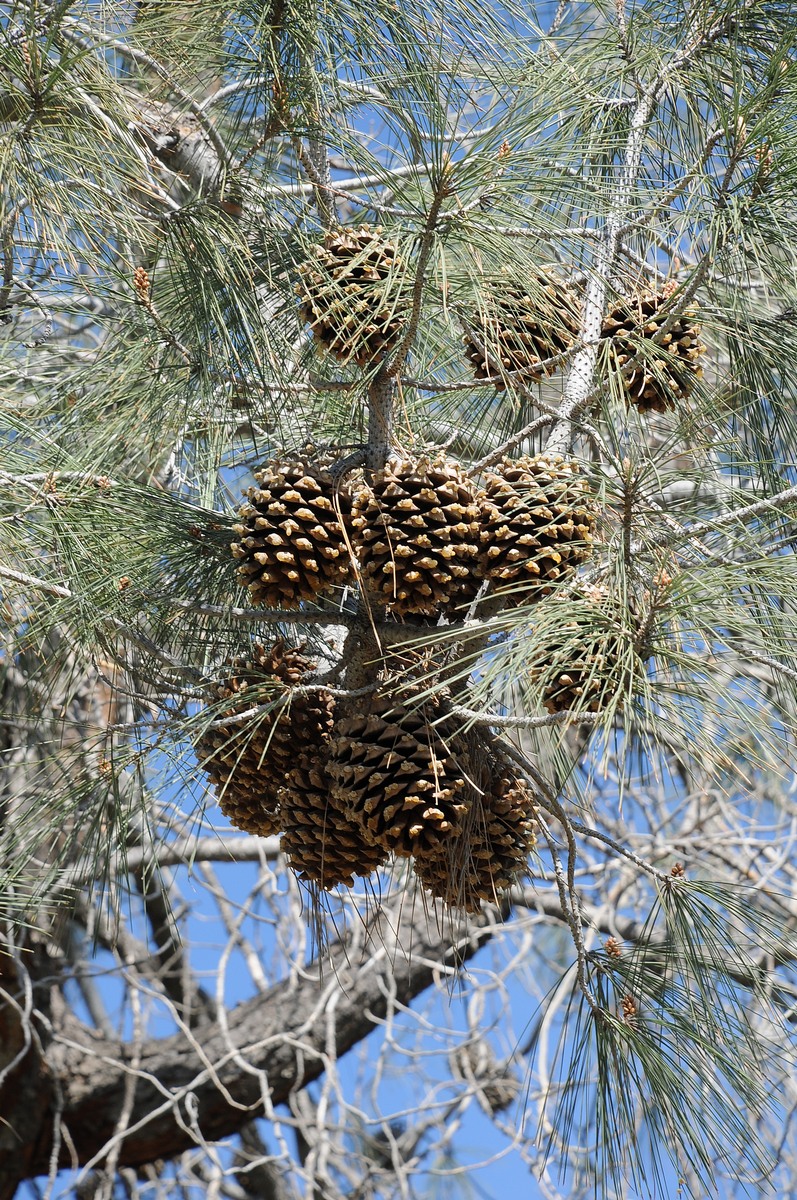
537, 524
291, 545
323, 844
353, 295
247, 762
521, 326
666, 370
497, 833
394, 773
587, 658
416, 530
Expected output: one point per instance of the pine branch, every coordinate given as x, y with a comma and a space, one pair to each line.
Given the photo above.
739, 515
41, 585
580, 379
88, 38
264, 616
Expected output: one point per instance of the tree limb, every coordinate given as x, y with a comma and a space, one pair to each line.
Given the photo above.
279, 1036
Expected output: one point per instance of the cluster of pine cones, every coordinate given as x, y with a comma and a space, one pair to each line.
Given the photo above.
347, 791
354, 295
347, 788
398, 776
421, 534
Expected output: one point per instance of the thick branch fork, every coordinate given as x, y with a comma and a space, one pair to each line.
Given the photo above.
210, 1086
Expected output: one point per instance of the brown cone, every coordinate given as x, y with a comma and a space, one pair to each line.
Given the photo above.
666, 370
522, 326
538, 523
353, 295
323, 845
394, 773
416, 534
588, 659
497, 832
291, 545
247, 762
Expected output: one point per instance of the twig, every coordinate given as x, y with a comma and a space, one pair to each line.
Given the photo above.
141, 287
265, 615
7, 243
457, 385
765, 661
580, 377
511, 442
87, 477
349, 185
318, 173
664, 202
130, 1085
475, 717
151, 648
42, 585
442, 190
618, 848
558, 17
304, 689
683, 534
565, 884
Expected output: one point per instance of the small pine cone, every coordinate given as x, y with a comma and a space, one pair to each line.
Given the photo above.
586, 660
323, 845
666, 371
498, 831
629, 1010
393, 772
538, 523
613, 948
353, 295
291, 544
416, 532
247, 762
521, 326
141, 284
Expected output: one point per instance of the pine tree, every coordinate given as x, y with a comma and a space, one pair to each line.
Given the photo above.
397, 490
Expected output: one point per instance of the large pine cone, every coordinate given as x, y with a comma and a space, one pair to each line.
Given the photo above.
538, 523
394, 772
521, 326
323, 844
353, 295
416, 530
248, 761
498, 831
666, 370
291, 545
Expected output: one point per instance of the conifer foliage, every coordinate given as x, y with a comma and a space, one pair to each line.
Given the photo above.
397, 500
